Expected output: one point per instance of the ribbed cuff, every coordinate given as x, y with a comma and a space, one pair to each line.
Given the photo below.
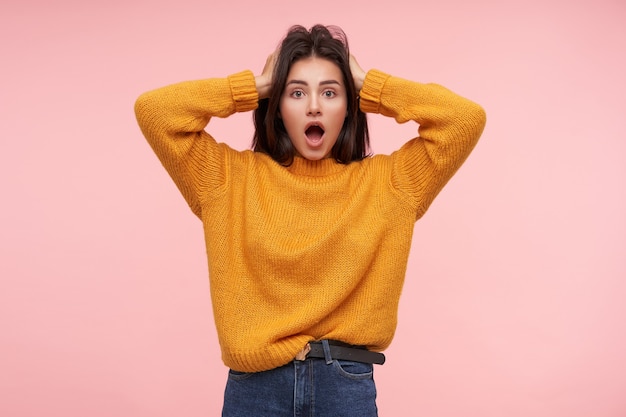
372, 90
243, 89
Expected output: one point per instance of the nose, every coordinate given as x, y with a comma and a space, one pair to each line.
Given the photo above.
314, 108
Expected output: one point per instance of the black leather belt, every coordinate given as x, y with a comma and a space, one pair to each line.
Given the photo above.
344, 351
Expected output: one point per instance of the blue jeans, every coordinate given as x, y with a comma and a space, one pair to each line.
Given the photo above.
309, 388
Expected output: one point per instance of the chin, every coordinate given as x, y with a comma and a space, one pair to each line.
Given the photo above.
315, 156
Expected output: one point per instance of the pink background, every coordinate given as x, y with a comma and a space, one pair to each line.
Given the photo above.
515, 296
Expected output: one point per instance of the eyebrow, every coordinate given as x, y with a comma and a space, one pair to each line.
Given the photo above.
301, 82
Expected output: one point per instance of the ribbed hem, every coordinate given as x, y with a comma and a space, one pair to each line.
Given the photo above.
268, 357
372, 90
243, 89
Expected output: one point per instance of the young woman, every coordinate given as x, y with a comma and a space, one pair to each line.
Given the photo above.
307, 235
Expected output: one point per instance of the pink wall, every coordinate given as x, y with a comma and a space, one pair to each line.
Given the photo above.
514, 303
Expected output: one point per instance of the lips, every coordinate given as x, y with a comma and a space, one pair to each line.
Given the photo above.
314, 134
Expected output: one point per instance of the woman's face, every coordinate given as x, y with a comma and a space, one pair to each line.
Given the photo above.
313, 106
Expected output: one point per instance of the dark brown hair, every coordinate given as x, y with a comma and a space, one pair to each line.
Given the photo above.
270, 136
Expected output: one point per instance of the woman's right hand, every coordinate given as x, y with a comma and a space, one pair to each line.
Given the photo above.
264, 81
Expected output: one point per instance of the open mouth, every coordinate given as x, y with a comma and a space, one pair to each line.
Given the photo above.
314, 134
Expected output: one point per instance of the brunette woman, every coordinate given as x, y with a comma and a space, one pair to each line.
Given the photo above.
307, 235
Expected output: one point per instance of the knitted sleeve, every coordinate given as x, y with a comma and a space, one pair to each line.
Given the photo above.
449, 128
173, 120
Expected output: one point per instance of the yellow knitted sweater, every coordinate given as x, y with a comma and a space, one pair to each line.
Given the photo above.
316, 250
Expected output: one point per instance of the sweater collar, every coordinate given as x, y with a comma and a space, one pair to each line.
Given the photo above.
321, 168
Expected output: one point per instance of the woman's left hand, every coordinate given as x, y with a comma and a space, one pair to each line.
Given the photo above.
358, 74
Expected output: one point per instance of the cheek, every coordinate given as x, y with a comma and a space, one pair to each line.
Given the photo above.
339, 117
286, 113
288, 120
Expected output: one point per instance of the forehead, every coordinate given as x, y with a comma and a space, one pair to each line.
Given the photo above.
315, 70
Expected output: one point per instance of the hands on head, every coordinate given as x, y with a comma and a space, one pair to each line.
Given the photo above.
264, 81
358, 74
